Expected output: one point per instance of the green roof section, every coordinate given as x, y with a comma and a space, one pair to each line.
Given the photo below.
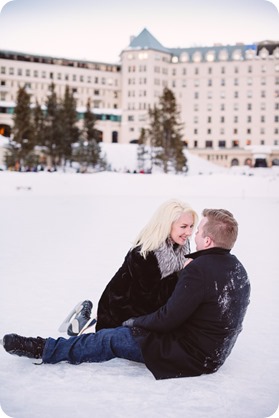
146, 41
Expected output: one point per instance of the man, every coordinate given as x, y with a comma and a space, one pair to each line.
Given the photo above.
192, 334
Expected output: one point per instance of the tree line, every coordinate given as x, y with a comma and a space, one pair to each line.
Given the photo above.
52, 131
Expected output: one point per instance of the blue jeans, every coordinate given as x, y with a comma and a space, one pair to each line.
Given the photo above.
105, 345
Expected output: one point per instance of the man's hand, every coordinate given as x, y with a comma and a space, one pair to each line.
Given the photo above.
128, 323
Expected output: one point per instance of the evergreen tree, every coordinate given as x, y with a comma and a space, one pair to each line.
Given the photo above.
53, 127
38, 125
89, 123
70, 133
88, 151
23, 129
164, 134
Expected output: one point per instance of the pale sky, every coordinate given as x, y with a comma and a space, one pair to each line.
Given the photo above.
99, 30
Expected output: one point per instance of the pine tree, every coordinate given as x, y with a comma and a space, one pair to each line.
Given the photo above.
70, 133
53, 136
23, 129
38, 125
164, 134
88, 151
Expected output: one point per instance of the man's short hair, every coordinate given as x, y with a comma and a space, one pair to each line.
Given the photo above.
221, 227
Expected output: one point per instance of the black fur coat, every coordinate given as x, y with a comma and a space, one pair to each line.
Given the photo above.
141, 285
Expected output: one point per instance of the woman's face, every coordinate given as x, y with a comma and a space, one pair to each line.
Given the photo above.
182, 228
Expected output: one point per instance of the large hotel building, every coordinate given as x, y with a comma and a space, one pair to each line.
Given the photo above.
227, 95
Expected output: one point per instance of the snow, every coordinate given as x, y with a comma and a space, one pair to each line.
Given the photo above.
63, 236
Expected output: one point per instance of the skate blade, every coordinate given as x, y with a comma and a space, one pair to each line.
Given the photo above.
89, 325
64, 326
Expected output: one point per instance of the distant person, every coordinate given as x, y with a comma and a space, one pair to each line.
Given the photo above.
148, 274
192, 334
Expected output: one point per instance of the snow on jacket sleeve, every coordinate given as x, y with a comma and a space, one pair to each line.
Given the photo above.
186, 297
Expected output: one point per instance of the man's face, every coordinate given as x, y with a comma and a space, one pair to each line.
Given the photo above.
199, 239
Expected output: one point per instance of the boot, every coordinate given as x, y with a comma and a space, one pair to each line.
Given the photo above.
24, 346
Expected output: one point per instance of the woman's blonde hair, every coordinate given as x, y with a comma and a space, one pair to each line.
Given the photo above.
158, 228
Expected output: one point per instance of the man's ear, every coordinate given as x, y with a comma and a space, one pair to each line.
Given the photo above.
208, 242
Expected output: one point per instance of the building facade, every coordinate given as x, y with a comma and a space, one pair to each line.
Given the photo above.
228, 96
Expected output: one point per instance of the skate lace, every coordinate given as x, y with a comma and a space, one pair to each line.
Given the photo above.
86, 310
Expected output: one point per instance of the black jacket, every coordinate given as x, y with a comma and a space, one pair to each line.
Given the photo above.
136, 289
194, 332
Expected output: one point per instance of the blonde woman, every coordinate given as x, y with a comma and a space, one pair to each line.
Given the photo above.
148, 276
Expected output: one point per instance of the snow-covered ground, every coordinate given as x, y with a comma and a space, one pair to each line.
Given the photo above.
62, 237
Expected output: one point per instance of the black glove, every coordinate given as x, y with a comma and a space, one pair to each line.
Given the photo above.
128, 323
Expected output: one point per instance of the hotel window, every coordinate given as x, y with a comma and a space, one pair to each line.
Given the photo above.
27, 73
222, 119
236, 94
235, 82
74, 77
249, 94
222, 95
196, 95
250, 69
249, 81
208, 144
196, 71
209, 70
223, 70
263, 81
235, 143
222, 106
3, 70
195, 131
277, 80
196, 107
263, 93
196, 119
223, 82
263, 106
262, 118
236, 70
222, 131
249, 119
249, 131
11, 71
59, 76
209, 82
276, 106
19, 71
209, 94
249, 106
208, 131
35, 73
222, 144
263, 69
235, 119
276, 118
235, 106
235, 131
262, 131
209, 119
209, 107
276, 131
196, 83
262, 141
